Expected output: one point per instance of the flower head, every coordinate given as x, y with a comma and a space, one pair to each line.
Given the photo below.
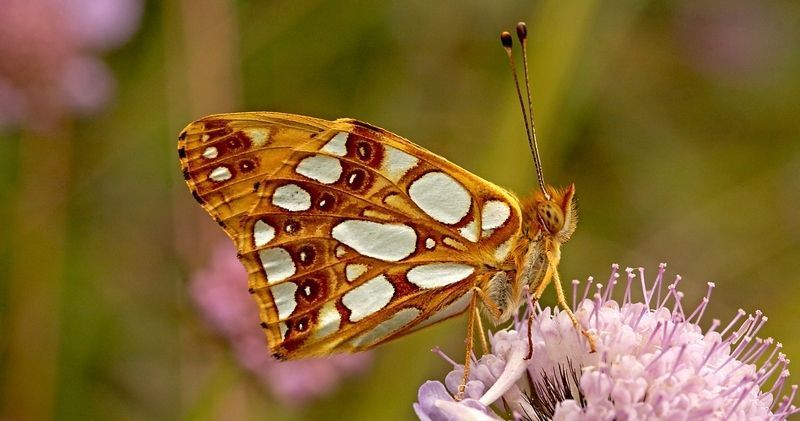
653, 360
220, 292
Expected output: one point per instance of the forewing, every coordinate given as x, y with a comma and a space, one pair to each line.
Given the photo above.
351, 234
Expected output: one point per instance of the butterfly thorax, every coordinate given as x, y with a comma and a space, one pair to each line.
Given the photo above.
546, 224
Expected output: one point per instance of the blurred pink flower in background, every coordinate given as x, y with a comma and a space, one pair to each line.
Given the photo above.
220, 292
49, 67
733, 38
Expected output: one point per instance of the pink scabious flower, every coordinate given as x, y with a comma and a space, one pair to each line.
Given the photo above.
49, 67
653, 361
220, 292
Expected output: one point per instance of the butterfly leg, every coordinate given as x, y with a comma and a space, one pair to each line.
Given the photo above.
562, 302
484, 343
473, 304
474, 315
530, 336
491, 307
537, 293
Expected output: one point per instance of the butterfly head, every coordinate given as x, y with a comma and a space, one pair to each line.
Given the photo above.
551, 210
554, 213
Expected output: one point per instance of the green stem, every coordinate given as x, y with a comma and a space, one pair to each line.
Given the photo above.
38, 234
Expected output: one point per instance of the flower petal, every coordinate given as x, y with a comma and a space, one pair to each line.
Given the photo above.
466, 410
515, 366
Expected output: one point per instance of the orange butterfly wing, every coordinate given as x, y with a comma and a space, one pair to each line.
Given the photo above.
351, 235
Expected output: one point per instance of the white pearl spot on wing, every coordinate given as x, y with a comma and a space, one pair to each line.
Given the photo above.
470, 232
452, 242
340, 251
441, 197
277, 264
220, 174
395, 201
495, 213
387, 242
337, 145
501, 252
210, 152
292, 198
388, 327
396, 163
377, 215
353, 271
322, 168
368, 298
263, 233
259, 137
283, 295
328, 320
204, 138
436, 275
430, 243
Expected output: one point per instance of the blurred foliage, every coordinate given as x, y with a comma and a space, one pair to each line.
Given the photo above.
677, 121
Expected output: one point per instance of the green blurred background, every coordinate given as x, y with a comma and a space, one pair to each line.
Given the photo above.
677, 121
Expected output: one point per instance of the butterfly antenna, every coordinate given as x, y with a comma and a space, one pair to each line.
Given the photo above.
527, 116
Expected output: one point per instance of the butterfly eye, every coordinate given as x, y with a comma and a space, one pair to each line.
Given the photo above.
550, 216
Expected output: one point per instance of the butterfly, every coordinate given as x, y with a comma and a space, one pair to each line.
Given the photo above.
353, 236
